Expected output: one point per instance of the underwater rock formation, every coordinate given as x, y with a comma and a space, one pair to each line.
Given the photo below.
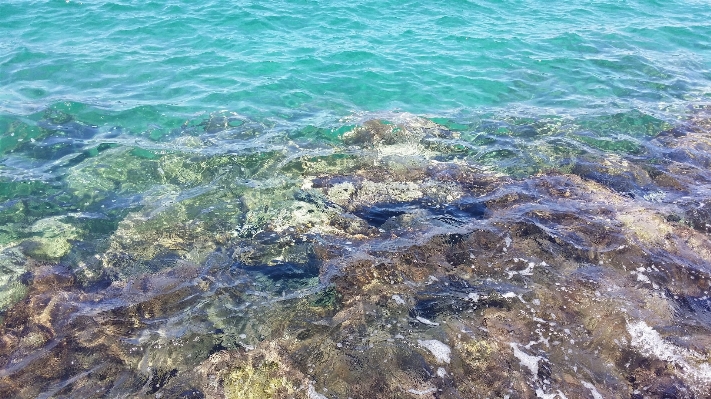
388, 265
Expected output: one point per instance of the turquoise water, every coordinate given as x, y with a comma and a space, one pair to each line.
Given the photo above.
292, 60
355, 199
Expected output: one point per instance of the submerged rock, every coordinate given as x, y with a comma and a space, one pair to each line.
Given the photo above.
388, 273
53, 238
13, 266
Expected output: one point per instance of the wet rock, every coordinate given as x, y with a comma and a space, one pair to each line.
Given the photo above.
13, 277
261, 373
114, 171
376, 132
191, 394
699, 216
615, 173
53, 238
402, 271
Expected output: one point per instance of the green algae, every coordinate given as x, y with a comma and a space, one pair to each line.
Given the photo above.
262, 382
328, 298
633, 123
16, 134
12, 267
477, 354
14, 189
617, 145
52, 238
113, 172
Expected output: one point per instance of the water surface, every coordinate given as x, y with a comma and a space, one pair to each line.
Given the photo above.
355, 199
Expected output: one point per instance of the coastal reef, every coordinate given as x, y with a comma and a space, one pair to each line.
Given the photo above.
399, 257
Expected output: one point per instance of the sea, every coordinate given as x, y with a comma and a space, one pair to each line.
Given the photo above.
355, 199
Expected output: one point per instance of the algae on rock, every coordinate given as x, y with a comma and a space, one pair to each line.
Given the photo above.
52, 238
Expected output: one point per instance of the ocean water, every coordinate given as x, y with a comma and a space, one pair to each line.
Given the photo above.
355, 199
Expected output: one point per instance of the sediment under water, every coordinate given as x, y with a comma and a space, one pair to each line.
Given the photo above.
389, 256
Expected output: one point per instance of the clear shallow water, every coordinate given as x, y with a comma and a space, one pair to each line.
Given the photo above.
360, 199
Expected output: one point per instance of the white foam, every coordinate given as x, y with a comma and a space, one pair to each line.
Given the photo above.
541, 394
398, 299
691, 365
312, 394
641, 277
593, 390
425, 321
529, 361
528, 271
403, 149
421, 392
440, 351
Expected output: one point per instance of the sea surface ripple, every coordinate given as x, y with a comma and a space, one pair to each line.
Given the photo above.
285, 58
